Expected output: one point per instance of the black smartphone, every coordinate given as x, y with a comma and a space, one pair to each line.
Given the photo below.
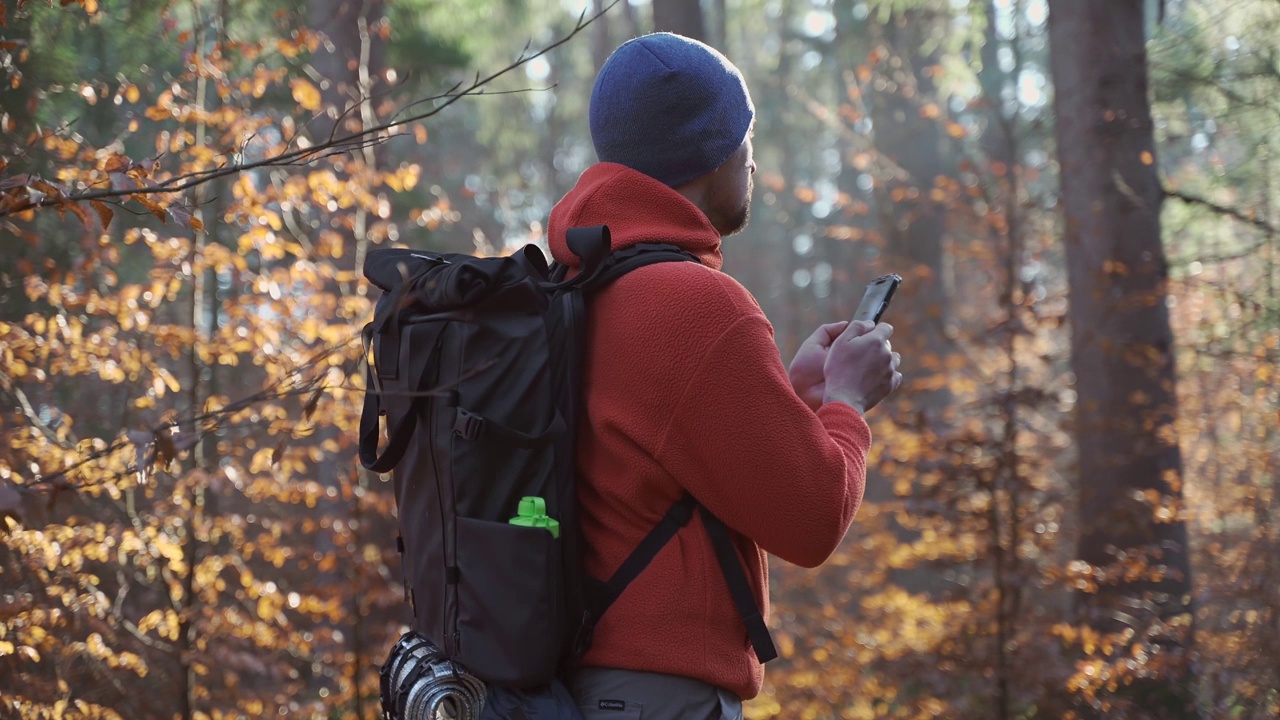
876, 299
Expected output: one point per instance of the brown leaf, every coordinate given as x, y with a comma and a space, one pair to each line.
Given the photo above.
46, 187
182, 216
116, 163
155, 207
312, 402
166, 451
278, 452
16, 181
3, 22
80, 212
104, 213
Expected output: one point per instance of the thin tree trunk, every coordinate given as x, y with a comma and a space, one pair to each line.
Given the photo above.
630, 24
720, 26
601, 38
913, 223
1001, 143
683, 17
1122, 345
910, 155
338, 59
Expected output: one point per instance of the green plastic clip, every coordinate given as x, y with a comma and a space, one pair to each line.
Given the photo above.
533, 513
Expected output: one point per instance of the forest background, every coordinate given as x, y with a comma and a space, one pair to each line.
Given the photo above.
1072, 509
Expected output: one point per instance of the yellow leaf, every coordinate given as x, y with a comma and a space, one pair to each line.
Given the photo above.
132, 94
1147, 157
305, 94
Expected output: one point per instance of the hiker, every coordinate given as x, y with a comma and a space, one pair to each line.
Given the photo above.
686, 393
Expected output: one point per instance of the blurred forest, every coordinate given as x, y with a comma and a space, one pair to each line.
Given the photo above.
1072, 511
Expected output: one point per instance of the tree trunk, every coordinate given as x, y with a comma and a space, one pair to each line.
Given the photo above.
630, 24
338, 59
683, 17
719, 32
601, 38
1122, 345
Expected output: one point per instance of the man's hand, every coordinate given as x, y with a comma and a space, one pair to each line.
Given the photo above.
861, 367
806, 371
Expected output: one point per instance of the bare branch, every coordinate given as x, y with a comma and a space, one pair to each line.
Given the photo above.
300, 156
1236, 213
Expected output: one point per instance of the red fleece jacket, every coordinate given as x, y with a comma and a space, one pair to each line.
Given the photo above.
685, 391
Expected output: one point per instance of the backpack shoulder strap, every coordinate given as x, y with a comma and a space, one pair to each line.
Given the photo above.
739, 587
601, 595
624, 261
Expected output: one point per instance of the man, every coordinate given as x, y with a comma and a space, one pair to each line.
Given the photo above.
686, 393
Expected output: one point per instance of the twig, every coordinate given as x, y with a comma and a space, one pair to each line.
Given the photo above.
353, 141
1236, 213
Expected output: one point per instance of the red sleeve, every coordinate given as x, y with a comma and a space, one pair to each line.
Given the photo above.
747, 447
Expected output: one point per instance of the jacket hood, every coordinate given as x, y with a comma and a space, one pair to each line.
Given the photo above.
637, 209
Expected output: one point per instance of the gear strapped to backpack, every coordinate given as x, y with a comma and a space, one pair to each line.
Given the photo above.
477, 366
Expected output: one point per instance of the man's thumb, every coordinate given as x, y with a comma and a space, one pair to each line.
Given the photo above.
860, 327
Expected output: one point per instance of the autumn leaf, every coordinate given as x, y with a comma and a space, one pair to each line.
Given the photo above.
105, 214
78, 210
309, 409
183, 217
305, 94
278, 452
166, 451
155, 208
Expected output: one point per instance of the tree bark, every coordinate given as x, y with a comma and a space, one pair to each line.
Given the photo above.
683, 17
1130, 491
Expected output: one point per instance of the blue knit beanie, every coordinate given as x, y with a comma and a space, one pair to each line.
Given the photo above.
670, 107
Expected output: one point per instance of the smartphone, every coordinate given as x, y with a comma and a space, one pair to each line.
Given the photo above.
876, 299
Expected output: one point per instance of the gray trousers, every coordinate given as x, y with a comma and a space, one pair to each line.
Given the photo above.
611, 694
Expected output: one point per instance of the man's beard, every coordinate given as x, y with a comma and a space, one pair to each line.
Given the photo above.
738, 221
729, 220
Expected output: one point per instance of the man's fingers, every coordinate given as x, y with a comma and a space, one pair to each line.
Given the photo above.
884, 329
895, 360
856, 329
828, 333
897, 380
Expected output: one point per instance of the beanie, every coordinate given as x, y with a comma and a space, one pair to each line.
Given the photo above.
670, 107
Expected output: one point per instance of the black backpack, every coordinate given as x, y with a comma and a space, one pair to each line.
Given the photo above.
476, 367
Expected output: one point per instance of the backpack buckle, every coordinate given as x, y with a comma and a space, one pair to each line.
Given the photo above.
467, 424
